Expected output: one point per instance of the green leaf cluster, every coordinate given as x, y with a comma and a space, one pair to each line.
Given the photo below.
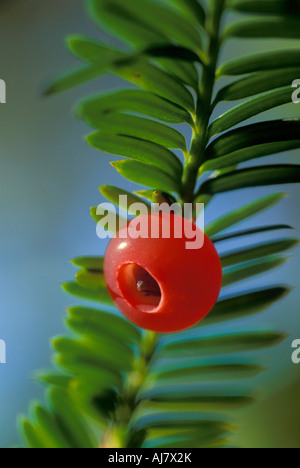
116, 385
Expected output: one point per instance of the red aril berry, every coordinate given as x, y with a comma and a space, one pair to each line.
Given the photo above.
158, 283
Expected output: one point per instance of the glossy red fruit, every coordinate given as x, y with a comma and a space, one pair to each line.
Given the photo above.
159, 284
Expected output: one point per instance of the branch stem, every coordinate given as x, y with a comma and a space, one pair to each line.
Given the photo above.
204, 102
118, 434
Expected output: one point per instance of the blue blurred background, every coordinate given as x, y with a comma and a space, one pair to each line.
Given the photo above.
48, 180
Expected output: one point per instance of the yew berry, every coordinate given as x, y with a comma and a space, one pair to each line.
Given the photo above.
158, 283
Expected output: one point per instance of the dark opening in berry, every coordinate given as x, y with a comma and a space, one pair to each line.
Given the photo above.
141, 289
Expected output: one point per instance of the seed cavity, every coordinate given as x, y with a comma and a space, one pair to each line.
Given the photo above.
139, 287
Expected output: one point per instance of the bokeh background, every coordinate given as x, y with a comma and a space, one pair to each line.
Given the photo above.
48, 180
